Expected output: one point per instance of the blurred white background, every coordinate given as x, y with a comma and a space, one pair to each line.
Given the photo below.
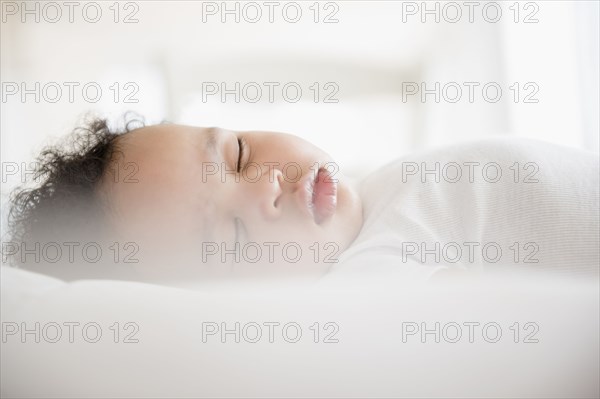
371, 56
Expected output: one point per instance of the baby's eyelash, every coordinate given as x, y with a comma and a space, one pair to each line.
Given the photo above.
241, 148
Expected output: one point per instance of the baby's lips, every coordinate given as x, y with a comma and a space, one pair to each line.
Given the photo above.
325, 196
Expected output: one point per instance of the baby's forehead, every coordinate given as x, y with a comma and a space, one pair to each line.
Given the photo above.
160, 140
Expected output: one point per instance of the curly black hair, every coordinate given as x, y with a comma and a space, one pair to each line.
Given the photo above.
66, 206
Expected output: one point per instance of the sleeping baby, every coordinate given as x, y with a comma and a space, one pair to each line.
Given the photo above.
176, 203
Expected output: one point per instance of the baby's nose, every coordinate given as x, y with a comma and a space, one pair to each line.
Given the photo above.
270, 204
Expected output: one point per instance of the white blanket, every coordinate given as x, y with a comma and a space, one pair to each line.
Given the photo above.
492, 205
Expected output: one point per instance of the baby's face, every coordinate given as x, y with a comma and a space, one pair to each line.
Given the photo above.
204, 189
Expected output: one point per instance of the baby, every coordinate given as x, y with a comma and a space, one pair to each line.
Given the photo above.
180, 203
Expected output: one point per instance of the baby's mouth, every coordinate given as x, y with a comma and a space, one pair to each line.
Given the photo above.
324, 196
